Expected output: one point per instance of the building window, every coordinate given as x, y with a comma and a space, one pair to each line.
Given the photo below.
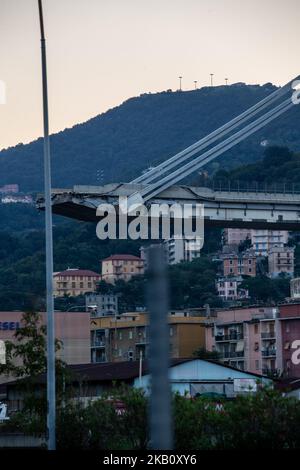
256, 365
171, 331
120, 334
287, 327
130, 334
256, 329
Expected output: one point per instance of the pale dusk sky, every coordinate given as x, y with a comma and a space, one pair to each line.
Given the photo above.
101, 52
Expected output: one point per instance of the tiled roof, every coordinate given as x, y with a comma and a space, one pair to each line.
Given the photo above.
77, 272
123, 257
126, 371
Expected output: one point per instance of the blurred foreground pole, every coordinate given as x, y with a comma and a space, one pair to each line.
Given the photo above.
160, 419
49, 250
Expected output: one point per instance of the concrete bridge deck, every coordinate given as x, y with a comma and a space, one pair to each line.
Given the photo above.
236, 209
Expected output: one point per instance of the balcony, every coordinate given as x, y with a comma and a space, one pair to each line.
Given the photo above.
99, 359
230, 337
231, 354
141, 341
268, 353
268, 335
97, 343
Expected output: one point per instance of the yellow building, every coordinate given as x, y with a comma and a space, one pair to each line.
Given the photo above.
124, 337
123, 267
74, 282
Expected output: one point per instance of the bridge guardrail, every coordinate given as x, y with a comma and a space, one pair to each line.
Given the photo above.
251, 186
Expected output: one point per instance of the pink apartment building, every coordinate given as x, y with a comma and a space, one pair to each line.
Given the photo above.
257, 339
242, 264
244, 338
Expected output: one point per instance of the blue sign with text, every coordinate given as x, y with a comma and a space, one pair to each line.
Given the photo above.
9, 325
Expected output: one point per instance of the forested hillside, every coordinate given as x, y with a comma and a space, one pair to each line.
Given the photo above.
22, 259
143, 131
279, 166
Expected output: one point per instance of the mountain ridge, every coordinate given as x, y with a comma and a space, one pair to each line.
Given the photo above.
142, 131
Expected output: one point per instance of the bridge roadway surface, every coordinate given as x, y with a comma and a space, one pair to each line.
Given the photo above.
235, 209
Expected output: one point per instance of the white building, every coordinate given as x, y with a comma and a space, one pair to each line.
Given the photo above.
264, 240
181, 249
101, 304
198, 377
228, 288
176, 250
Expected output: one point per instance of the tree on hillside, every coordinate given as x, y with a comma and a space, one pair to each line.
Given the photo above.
276, 156
265, 289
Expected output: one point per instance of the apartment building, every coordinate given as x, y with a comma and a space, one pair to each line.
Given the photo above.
121, 267
101, 305
176, 250
264, 240
281, 261
74, 282
235, 236
126, 337
245, 338
261, 240
239, 264
228, 288
181, 249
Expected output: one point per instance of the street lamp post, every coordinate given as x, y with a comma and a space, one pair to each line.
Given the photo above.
211, 79
195, 82
49, 250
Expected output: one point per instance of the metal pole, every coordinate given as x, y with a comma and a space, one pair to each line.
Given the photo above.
140, 367
180, 81
49, 250
160, 403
